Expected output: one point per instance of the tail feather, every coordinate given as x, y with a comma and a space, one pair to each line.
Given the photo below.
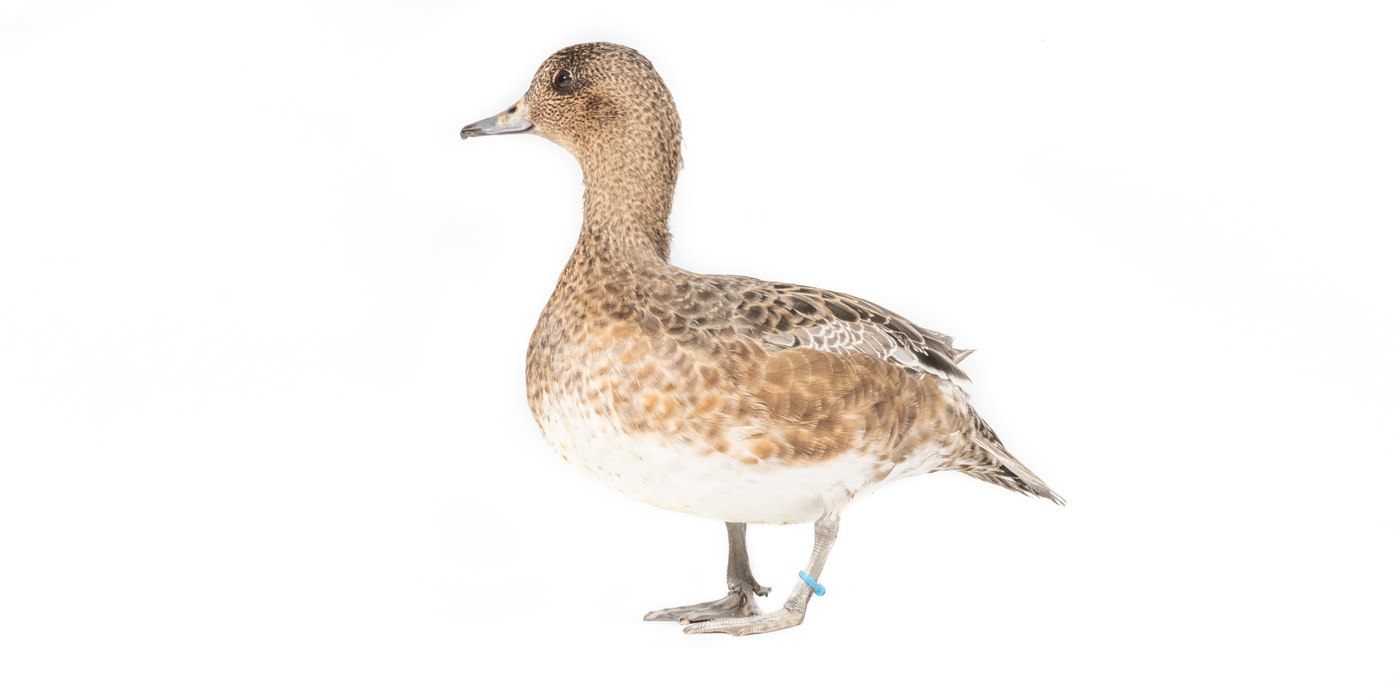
1012, 474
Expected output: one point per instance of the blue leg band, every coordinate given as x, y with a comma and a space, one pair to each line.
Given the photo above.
816, 587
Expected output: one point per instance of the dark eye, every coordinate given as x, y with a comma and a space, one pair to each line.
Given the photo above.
563, 80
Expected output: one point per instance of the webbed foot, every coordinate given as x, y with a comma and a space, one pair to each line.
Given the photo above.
738, 604
779, 619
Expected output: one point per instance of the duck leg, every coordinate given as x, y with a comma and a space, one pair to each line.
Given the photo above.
742, 589
795, 609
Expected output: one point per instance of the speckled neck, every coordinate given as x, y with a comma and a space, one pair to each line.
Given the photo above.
629, 182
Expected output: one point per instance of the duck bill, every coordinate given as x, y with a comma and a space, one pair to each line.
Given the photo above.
511, 121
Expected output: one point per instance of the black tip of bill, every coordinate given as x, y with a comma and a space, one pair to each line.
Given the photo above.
504, 123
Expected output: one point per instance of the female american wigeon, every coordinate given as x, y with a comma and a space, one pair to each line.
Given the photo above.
727, 397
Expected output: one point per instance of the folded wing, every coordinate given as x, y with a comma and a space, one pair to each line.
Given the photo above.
786, 316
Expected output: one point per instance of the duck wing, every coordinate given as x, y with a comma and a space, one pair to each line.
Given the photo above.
788, 315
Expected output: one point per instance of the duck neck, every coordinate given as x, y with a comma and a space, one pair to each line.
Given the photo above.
628, 186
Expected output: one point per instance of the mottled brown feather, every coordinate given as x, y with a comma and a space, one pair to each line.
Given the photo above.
766, 373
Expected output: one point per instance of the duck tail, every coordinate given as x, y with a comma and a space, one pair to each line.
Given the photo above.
1009, 473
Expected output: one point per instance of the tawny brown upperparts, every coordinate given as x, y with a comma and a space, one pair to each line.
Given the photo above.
724, 396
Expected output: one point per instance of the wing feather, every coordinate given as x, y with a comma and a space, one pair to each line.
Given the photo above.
786, 316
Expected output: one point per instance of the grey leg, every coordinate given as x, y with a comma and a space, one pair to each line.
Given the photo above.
795, 609
740, 577
742, 588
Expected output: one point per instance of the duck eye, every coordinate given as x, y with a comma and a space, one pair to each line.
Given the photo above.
563, 80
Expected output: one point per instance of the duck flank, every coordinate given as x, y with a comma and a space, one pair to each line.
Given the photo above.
722, 396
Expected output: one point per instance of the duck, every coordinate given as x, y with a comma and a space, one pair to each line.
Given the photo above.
722, 396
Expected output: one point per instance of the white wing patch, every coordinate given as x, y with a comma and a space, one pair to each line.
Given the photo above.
860, 339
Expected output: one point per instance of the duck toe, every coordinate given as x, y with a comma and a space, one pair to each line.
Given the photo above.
779, 619
738, 604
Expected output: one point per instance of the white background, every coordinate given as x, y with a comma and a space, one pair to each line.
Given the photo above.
263, 320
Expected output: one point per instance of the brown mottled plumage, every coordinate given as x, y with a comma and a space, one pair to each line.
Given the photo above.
724, 396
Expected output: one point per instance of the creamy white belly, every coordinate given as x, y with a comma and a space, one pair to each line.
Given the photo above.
670, 474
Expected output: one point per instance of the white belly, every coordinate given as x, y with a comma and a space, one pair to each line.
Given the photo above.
670, 474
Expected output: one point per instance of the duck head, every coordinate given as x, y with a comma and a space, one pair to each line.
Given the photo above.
588, 97
606, 104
